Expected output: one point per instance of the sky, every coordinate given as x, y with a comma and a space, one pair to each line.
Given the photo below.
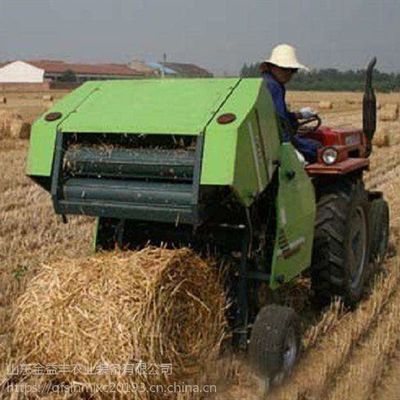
220, 35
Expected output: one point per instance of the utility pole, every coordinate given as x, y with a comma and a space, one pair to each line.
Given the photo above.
162, 65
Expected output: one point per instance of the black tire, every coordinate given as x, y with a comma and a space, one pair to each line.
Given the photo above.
274, 343
341, 244
379, 228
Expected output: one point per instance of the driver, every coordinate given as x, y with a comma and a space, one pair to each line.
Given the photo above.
276, 72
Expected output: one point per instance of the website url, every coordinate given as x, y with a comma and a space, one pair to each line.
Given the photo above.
110, 388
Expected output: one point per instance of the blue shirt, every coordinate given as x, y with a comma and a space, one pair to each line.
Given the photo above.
288, 121
278, 93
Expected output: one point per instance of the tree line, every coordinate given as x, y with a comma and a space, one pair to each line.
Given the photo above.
331, 79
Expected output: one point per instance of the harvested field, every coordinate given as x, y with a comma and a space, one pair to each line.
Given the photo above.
29, 105
347, 355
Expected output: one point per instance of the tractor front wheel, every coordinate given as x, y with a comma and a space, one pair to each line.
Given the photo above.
274, 343
341, 243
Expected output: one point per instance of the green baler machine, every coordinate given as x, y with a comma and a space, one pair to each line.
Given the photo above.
201, 163
190, 155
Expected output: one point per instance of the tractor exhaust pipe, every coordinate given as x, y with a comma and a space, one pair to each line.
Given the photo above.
369, 107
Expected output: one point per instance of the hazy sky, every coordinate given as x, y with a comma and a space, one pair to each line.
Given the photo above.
218, 34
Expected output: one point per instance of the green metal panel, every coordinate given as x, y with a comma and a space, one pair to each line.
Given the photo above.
221, 141
43, 136
159, 106
183, 106
241, 154
296, 209
258, 148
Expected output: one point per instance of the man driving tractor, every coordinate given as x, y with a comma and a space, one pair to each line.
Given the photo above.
276, 72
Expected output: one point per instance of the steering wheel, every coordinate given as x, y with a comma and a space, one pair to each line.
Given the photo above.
303, 129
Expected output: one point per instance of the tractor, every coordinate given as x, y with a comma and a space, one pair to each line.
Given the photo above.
202, 163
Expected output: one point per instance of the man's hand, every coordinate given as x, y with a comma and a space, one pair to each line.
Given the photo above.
306, 113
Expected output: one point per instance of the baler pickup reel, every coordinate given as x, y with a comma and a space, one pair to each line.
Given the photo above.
149, 177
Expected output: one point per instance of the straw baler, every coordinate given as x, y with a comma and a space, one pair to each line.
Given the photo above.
201, 163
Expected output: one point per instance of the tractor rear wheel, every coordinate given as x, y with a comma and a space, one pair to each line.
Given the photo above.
341, 243
274, 343
379, 226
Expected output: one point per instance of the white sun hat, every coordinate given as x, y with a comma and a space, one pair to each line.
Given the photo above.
284, 56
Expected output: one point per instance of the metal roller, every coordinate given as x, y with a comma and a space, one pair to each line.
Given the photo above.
130, 163
133, 192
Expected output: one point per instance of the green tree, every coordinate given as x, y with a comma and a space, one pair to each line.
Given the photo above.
68, 76
331, 79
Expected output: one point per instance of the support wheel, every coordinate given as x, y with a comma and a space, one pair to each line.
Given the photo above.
379, 226
341, 244
274, 343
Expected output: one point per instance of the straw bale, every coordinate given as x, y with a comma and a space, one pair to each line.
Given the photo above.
154, 306
389, 112
381, 138
325, 105
12, 125
25, 132
3, 100
48, 97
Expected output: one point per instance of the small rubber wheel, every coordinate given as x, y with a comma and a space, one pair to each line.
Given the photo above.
379, 226
274, 343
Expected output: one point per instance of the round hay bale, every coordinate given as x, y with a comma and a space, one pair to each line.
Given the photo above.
48, 97
389, 112
381, 138
11, 124
25, 132
325, 105
3, 100
150, 308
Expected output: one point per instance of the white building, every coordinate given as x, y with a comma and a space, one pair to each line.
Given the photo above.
48, 70
21, 72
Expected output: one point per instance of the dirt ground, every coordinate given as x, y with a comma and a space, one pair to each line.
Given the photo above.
347, 355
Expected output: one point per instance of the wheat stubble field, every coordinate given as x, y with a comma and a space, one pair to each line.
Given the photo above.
347, 355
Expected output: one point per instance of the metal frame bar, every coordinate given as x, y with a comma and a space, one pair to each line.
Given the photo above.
56, 181
240, 333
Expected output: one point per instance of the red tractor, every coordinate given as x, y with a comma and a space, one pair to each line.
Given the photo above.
344, 153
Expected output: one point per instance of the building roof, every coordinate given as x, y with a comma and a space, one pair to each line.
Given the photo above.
59, 67
188, 70
158, 66
141, 66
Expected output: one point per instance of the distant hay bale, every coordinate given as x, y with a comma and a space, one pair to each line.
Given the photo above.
48, 97
12, 125
325, 105
382, 138
3, 100
25, 132
389, 112
150, 308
